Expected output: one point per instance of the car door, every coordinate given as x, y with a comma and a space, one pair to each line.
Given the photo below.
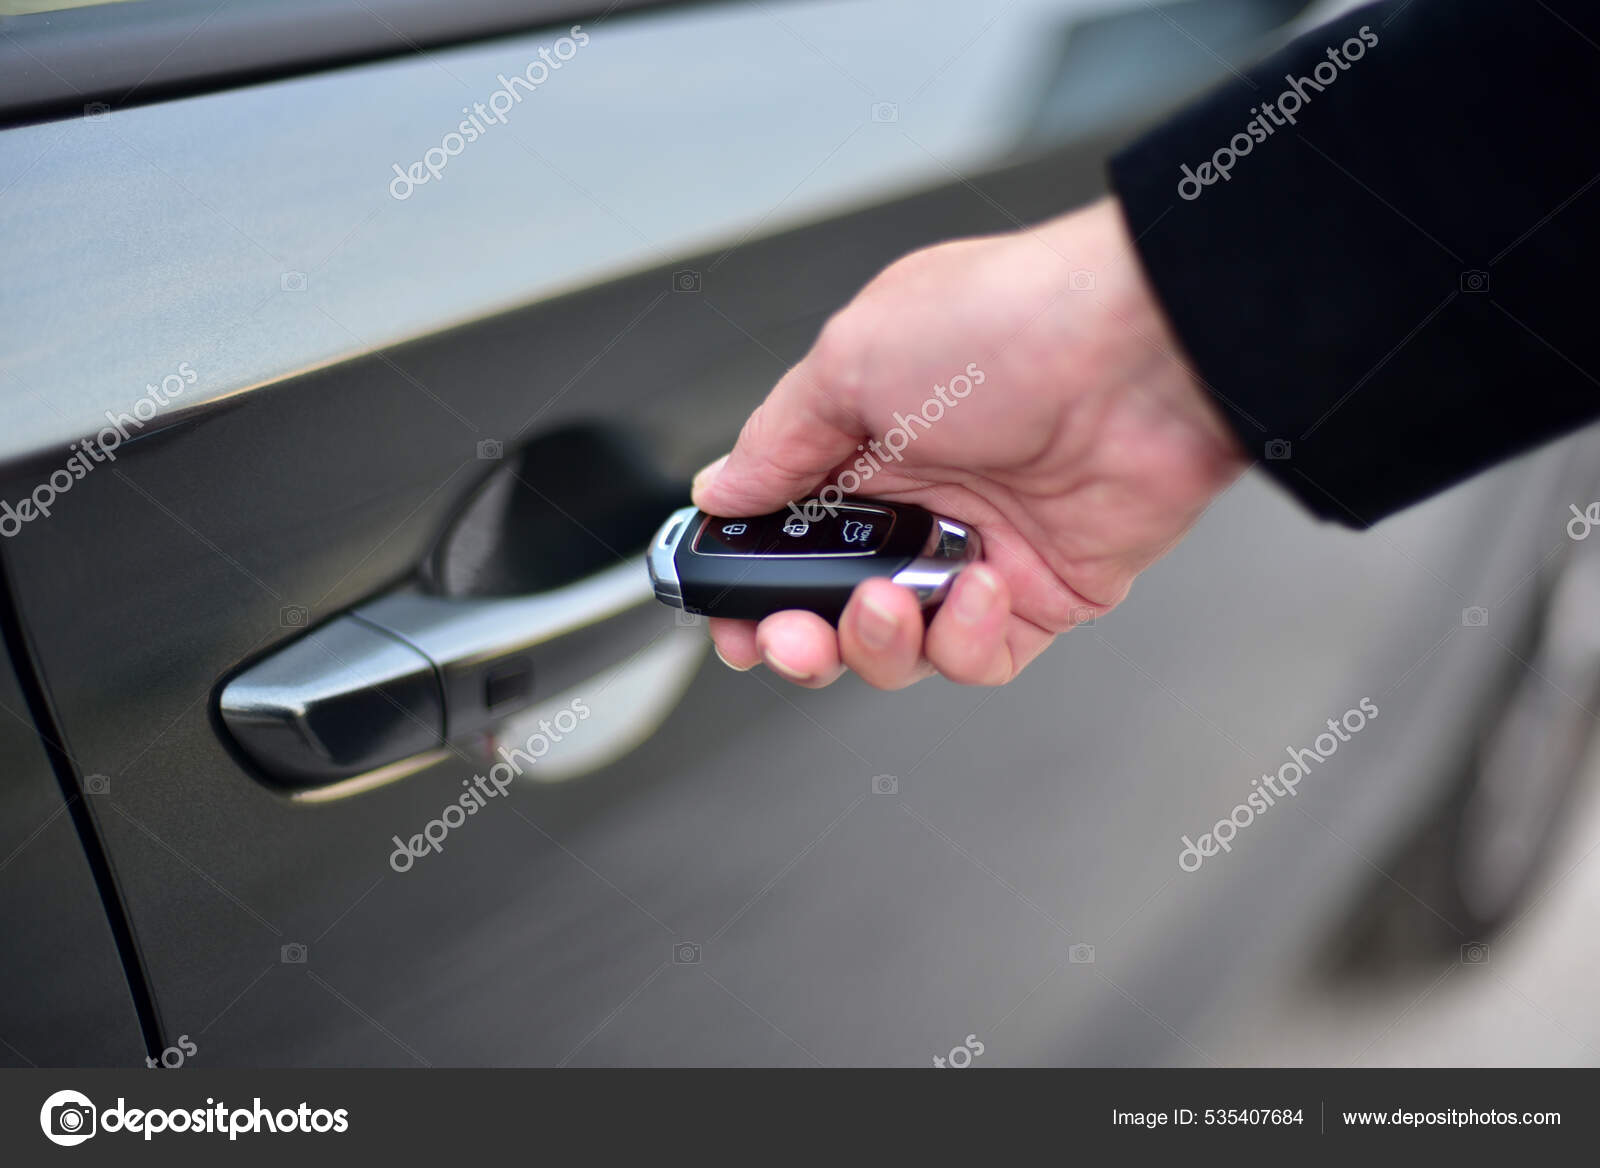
67, 1002
359, 368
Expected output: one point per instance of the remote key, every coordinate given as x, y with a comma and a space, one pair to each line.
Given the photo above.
810, 556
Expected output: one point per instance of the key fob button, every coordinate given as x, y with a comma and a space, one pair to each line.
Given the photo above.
848, 531
794, 535
780, 534
730, 537
852, 531
760, 535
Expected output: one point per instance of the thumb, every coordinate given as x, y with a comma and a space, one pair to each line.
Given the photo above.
786, 448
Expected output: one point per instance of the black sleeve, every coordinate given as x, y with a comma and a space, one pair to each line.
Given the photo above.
1398, 289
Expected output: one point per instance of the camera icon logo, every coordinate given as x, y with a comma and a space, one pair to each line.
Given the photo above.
885, 785
1475, 617
1082, 617
1278, 450
1081, 954
294, 953
67, 1118
490, 449
96, 111
97, 784
686, 618
885, 111
686, 280
292, 281
1474, 280
294, 616
686, 953
1474, 953
1081, 281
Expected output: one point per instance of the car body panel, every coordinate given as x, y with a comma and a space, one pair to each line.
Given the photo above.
64, 998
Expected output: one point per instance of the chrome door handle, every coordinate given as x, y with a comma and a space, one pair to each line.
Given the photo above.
395, 683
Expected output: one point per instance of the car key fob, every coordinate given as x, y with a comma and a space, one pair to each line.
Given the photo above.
810, 556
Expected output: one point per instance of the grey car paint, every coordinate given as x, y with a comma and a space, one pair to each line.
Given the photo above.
64, 999
166, 232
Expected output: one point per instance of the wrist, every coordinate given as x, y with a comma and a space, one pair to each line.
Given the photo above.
1154, 356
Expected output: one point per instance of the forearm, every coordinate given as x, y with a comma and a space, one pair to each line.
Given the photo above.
1393, 277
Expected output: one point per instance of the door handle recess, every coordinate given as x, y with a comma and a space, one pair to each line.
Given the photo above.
396, 682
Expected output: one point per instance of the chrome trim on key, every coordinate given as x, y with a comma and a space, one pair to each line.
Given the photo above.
663, 572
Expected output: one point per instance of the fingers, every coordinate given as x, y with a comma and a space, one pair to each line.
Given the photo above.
880, 635
786, 448
967, 639
800, 647
735, 643
797, 646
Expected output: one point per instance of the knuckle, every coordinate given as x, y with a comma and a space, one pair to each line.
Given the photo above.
839, 355
1062, 613
969, 667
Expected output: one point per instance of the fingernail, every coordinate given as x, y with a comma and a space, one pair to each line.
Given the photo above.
875, 623
788, 671
736, 668
975, 595
706, 473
